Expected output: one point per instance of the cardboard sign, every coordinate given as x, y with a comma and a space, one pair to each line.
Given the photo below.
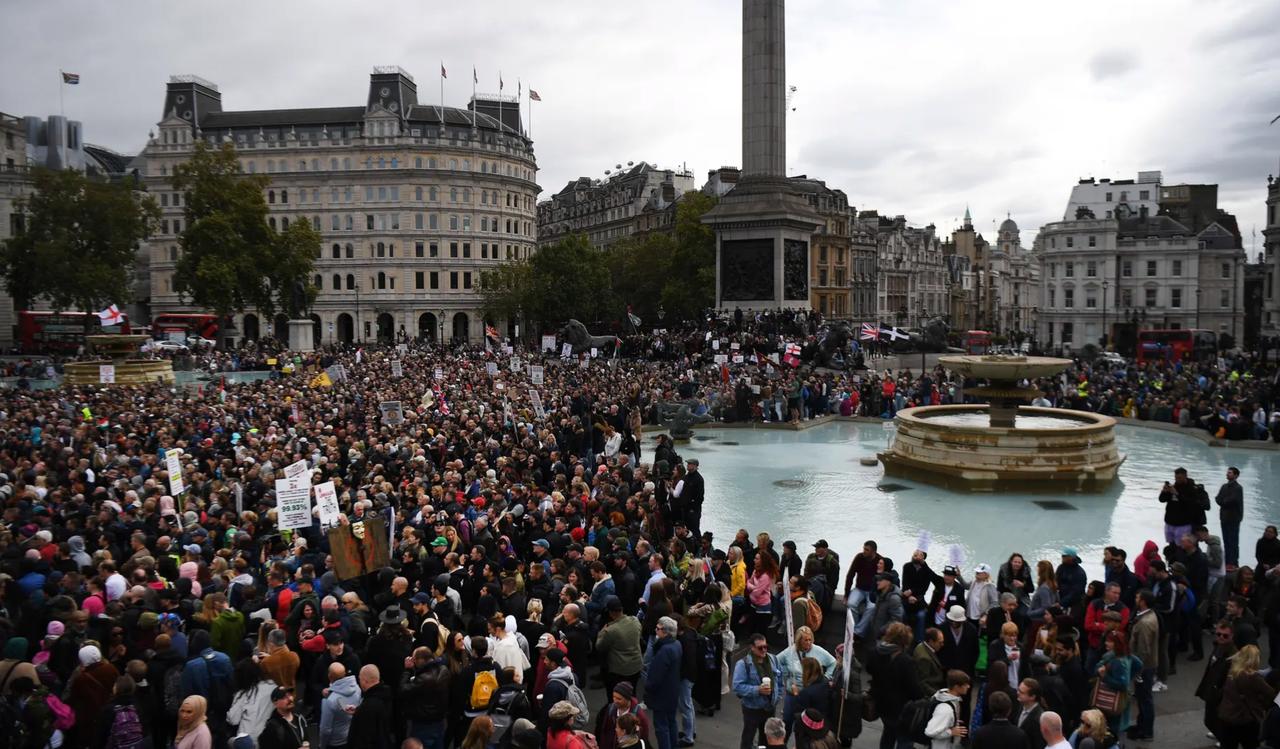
439, 373
549, 343
566, 351
174, 467
295, 469
293, 502
537, 404
327, 503
722, 358
337, 373
107, 374
397, 369
848, 646
535, 374
491, 368
391, 412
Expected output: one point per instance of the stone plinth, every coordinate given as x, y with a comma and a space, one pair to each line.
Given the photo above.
124, 370
302, 335
1079, 458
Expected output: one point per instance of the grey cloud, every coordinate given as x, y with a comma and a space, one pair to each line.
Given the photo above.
1112, 64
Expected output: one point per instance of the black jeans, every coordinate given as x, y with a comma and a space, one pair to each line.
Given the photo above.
753, 727
1238, 736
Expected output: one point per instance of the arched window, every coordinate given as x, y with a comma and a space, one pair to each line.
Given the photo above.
271, 221
431, 162
382, 163
319, 281
302, 165
271, 196
284, 196
484, 223
351, 251
284, 223
391, 249
351, 282
417, 194
433, 195
337, 281
382, 250
395, 163
453, 195
466, 196
333, 165
336, 251
417, 162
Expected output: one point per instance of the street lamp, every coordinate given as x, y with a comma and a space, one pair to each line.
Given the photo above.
440, 340
1197, 308
359, 334
1106, 338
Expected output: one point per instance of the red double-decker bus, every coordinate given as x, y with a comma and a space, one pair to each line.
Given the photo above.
179, 326
977, 342
1178, 345
61, 332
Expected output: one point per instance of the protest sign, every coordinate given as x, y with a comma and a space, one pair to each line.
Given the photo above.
327, 502
397, 369
549, 343
107, 374
391, 412
295, 469
537, 404
535, 374
174, 467
293, 502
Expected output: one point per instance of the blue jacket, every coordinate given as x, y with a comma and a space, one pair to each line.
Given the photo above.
746, 683
1072, 582
662, 686
599, 594
201, 672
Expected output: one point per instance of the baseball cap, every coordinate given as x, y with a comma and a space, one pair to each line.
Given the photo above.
280, 693
440, 541
821, 544
949, 570
543, 543
421, 598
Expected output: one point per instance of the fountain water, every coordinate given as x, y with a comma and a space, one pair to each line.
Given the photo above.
1004, 445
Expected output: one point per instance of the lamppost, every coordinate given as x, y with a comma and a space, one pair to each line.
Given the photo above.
1106, 338
440, 341
1197, 307
359, 332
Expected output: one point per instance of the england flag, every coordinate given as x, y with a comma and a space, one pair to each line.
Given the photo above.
791, 355
111, 316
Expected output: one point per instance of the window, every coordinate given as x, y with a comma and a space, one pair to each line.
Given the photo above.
466, 223
1093, 241
433, 194
382, 193
1144, 195
453, 223
453, 279
348, 194
368, 221
1225, 270
318, 282
419, 280
417, 162
1126, 297
351, 250
382, 280
346, 163
435, 279
335, 222
1224, 298
337, 282
466, 280
466, 196
1091, 301
1175, 297
1091, 268
1151, 267
1068, 332
1151, 298
417, 220
417, 251
1108, 197
1068, 298
1071, 241
453, 249
417, 194
284, 196
466, 249
1053, 270
368, 193
351, 282
271, 196
335, 251
1176, 268
382, 250
1126, 268
333, 165
433, 221
484, 249
1070, 270
395, 192
1053, 297
484, 223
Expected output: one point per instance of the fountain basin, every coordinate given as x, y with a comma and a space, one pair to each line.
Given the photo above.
1074, 452
126, 371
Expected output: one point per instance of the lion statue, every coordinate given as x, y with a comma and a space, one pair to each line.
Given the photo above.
575, 334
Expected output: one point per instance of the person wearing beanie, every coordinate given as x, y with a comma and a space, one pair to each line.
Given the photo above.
89, 692
622, 702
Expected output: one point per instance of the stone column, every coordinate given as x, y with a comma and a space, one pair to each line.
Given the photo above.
764, 88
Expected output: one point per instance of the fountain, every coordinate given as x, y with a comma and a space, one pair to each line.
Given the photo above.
118, 368
1004, 445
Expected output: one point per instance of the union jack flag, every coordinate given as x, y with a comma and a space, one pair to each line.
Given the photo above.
870, 331
791, 355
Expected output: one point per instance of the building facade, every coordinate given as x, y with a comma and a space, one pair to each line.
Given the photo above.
413, 203
911, 273
1104, 280
1270, 322
1014, 282
1120, 198
635, 200
972, 296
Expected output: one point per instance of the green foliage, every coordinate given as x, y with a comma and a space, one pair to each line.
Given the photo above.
232, 260
79, 245
569, 279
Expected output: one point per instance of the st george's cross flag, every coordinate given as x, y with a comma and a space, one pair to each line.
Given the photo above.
111, 316
791, 355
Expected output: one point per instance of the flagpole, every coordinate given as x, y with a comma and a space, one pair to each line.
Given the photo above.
531, 113
473, 96
499, 105
62, 86
442, 93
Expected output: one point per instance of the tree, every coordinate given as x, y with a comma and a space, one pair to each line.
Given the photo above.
79, 243
569, 279
232, 260
676, 271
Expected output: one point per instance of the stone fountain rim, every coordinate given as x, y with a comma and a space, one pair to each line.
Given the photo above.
1018, 367
1094, 422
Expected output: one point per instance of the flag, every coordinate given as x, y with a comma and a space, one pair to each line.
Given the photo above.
534, 95
443, 73
491, 332
519, 88
499, 82
71, 79
870, 331
475, 77
635, 320
111, 315
791, 355
893, 334
321, 380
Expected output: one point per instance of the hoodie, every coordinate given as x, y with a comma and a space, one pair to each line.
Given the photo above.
226, 632
78, 554
335, 721
557, 688
1142, 565
945, 711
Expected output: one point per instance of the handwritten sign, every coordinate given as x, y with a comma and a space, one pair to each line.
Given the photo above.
293, 502
327, 503
535, 374
566, 351
439, 373
174, 466
294, 470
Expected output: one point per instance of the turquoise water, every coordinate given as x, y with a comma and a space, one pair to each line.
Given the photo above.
809, 485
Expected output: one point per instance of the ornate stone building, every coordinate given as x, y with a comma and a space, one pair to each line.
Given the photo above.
912, 274
413, 201
638, 199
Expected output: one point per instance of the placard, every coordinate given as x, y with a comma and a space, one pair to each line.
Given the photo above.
295, 469
722, 358
537, 404
239, 501
515, 364
391, 412
174, 466
848, 646
535, 374
566, 351
397, 369
737, 358
491, 368
107, 374
594, 352
439, 373
786, 596
403, 348
549, 343
716, 344
337, 372
293, 502
327, 503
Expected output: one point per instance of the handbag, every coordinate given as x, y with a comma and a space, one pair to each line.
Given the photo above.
1106, 699
869, 711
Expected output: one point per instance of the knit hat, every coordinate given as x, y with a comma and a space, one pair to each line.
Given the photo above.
89, 655
624, 689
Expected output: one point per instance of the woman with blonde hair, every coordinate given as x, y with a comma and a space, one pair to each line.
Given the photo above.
193, 730
1093, 732
1246, 697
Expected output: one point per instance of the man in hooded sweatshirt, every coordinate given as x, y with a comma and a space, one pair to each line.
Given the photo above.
226, 629
208, 673
339, 705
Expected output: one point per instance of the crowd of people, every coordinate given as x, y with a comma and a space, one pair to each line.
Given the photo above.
539, 549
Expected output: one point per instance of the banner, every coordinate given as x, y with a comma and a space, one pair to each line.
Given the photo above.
174, 467
549, 343
391, 413
107, 374
848, 647
537, 404
293, 503
295, 469
397, 369
535, 374
786, 607
327, 502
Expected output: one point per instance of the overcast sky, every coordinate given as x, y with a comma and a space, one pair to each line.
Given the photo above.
914, 108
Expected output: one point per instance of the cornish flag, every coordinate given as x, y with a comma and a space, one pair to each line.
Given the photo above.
870, 331
111, 316
791, 355
893, 334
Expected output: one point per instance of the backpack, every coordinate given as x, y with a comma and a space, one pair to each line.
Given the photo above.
587, 740
220, 694
574, 696
173, 689
915, 719
12, 724
63, 716
482, 689
126, 729
500, 714
812, 614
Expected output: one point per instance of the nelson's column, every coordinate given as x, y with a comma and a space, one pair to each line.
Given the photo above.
762, 228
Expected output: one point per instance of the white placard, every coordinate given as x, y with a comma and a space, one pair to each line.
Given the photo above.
848, 646
293, 502
594, 352
722, 358
549, 343
337, 373
327, 502
537, 404
107, 374
174, 466
239, 501
508, 349
392, 413
566, 351
716, 344
439, 373
397, 369
535, 374
515, 365
295, 469
491, 368
737, 358
403, 348
786, 606
734, 346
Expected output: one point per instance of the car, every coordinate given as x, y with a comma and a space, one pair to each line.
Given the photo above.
166, 347
198, 342
1111, 357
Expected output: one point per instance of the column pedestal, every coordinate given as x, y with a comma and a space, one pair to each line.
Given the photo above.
301, 335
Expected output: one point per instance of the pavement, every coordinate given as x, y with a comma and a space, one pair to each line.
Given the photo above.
1179, 714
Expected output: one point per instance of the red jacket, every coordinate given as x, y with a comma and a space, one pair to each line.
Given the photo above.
1096, 627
